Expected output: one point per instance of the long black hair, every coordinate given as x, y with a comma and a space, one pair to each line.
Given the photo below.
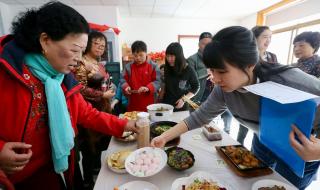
237, 46
54, 18
257, 30
180, 62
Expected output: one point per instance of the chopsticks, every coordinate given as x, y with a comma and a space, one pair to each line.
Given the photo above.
190, 102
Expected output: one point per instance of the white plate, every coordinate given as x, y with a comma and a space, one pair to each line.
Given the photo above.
161, 154
109, 164
138, 185
271, 183
201, 175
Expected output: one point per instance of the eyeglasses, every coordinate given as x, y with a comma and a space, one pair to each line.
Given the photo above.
99, 45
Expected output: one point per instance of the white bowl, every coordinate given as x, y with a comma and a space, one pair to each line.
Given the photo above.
271, 183
201, 175
158, 114
138, 185
131, 161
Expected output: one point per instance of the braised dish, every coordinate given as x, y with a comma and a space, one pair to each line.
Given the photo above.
242, 158
157, 128
179, 158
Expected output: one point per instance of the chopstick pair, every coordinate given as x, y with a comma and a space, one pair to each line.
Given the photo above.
190, 102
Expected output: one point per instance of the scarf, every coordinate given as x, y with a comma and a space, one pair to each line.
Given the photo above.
61, 131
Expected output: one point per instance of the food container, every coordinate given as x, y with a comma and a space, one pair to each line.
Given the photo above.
157, 128
212, 133
179, 159
160, 112
116, 161
146, 162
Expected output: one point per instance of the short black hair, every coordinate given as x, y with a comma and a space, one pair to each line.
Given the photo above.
312, 38
205, 35
54, 18
138, 46
257, 30
96, 35
180, 62
236, 45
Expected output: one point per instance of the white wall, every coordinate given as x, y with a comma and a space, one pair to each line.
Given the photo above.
159, 33
6, 17
249, 21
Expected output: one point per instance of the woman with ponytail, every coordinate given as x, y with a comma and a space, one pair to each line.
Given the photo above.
41, 104
233, 59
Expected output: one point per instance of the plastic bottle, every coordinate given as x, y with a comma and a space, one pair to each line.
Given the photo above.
143, 124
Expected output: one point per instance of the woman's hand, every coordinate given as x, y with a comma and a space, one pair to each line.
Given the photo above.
143, 89
131, 126
109, 94
114, 103
179, 103
158, 142
14, 156
128, 90
307, 149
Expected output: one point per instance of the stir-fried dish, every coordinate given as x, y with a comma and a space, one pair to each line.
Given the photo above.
161, 129
180, 159
204, 185
276, 187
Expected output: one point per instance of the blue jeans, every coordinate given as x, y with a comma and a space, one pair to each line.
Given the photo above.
227, 118
242, 133
278, 165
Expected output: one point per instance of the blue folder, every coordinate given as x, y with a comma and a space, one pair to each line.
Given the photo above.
275, 126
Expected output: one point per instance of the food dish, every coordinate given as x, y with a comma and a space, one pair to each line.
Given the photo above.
242, 158
157, 128
146, 162
131, 115
200, 176
160, 112
271, 183
211, 132
137, 185
116, 161
179, 158
127, 137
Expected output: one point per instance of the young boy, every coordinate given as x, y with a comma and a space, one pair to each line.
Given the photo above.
140, 79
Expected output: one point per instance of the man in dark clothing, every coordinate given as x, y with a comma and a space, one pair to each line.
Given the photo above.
195, 62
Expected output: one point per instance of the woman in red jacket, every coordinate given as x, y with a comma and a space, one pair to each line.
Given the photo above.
41, 104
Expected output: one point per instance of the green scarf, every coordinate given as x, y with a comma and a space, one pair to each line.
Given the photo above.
61, 131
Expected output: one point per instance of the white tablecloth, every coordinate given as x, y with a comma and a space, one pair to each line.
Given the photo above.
206, 159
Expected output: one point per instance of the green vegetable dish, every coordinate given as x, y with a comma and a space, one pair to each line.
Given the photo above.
161, 129
179, 158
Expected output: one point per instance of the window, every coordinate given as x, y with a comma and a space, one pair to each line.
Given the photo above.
282, 39
189, 44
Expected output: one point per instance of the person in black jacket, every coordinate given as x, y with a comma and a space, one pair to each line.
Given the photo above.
179, 78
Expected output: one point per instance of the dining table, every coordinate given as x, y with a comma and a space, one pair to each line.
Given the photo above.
206, 159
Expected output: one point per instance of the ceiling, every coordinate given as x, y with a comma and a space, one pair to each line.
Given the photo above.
189, 9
